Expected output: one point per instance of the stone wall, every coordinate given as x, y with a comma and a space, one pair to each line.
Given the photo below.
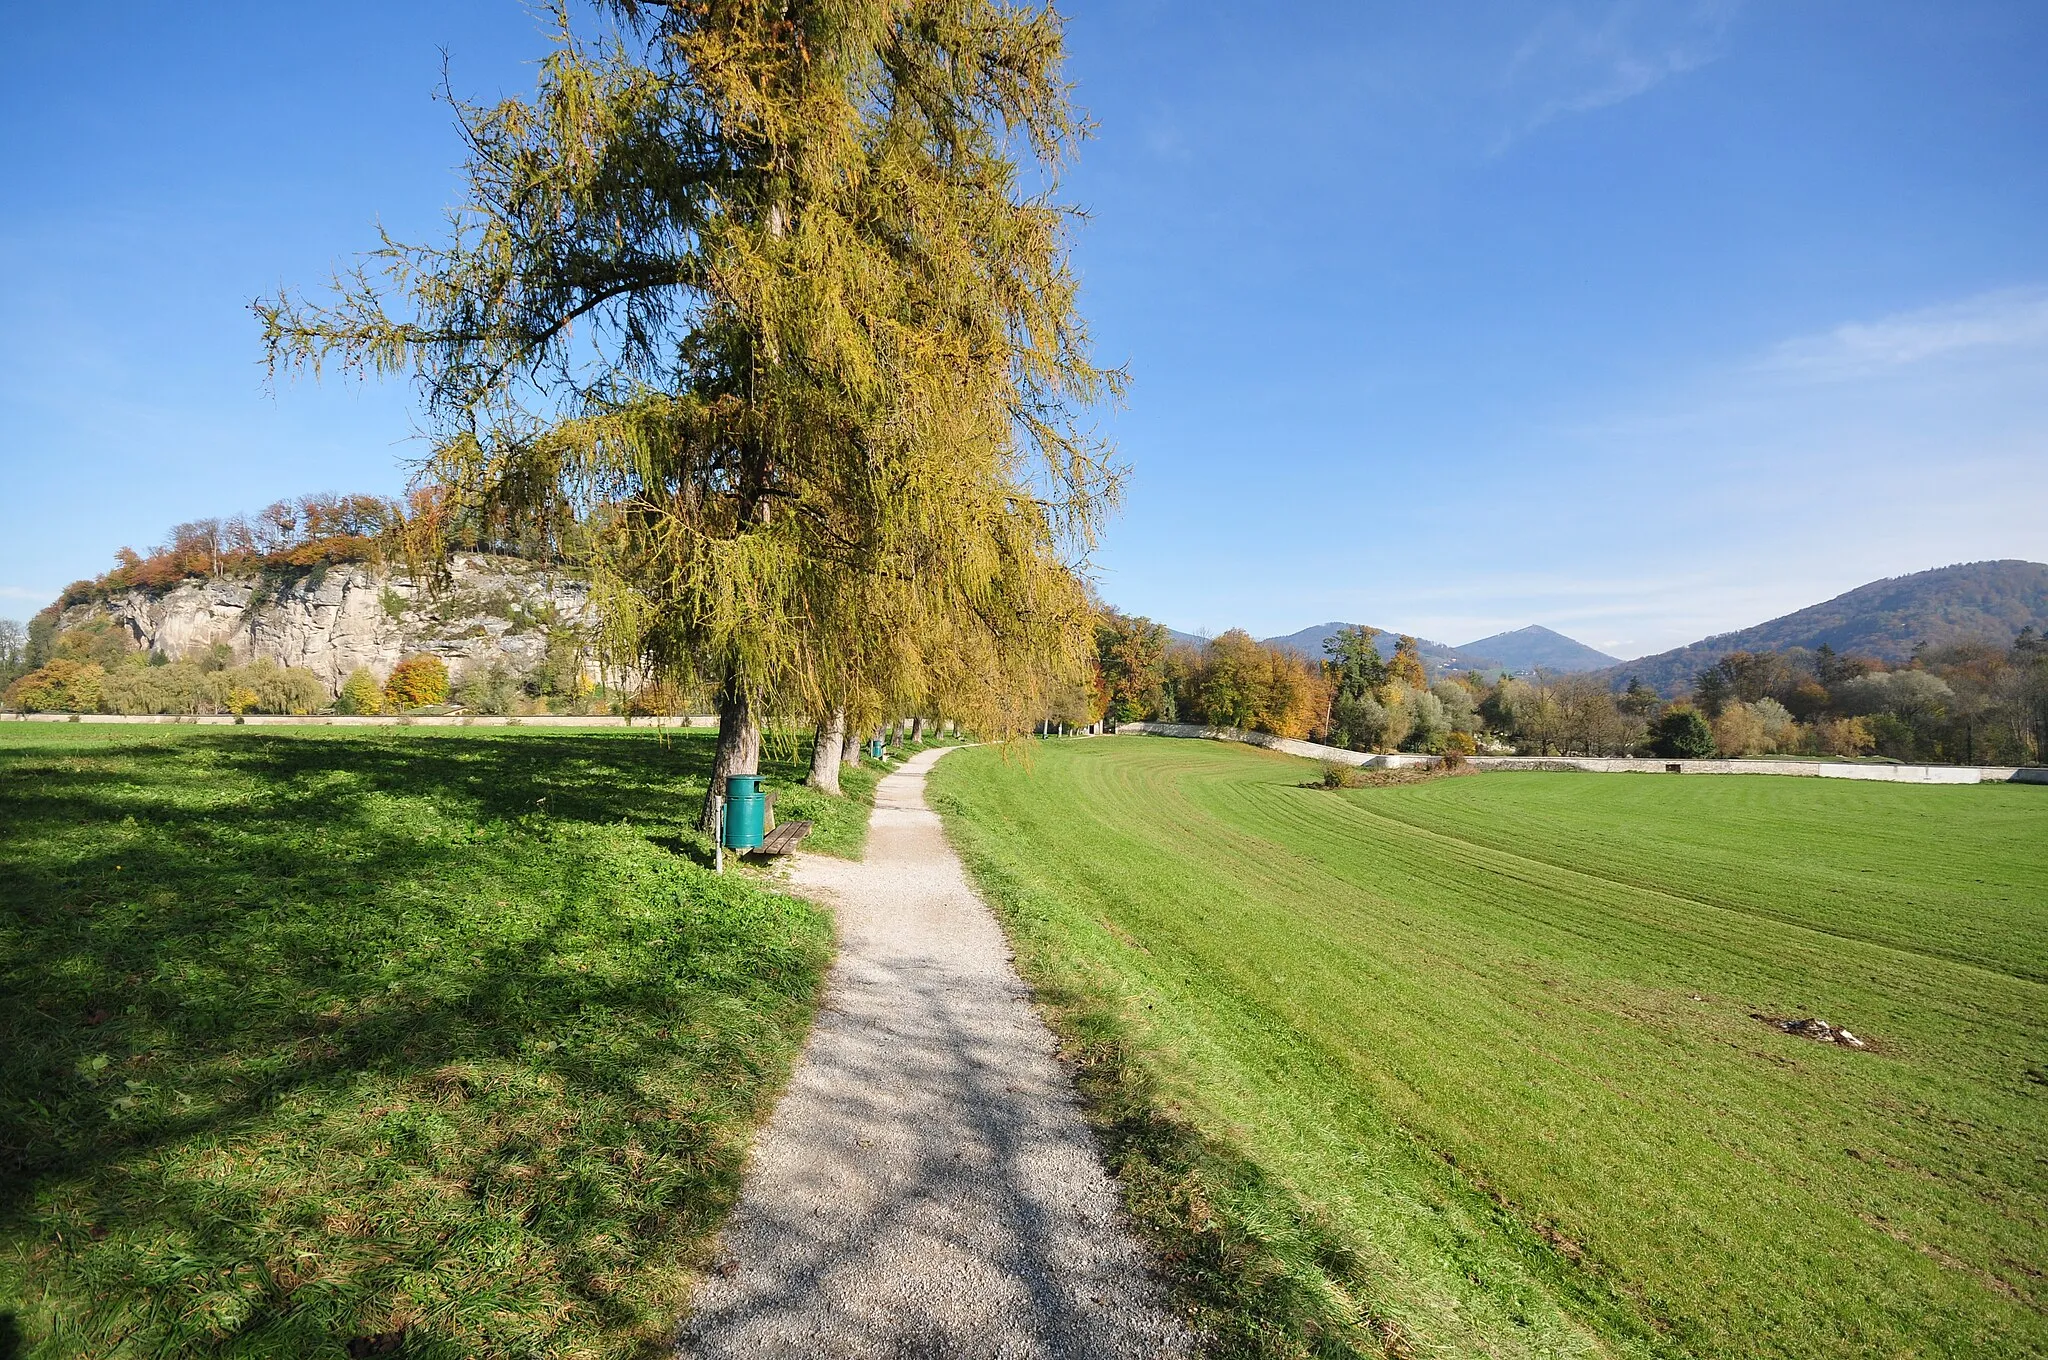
1822, 769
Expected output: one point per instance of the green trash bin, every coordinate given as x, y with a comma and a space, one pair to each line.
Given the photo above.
877, 749
746, 812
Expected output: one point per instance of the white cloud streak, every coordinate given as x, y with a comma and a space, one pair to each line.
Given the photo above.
2010, 319
1578, 59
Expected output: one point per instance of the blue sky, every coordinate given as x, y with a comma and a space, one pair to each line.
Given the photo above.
1642, 321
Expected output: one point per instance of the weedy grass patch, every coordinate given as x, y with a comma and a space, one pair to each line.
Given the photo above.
330, 1042
1474, 1066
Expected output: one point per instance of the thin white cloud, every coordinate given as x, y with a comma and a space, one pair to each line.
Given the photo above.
23, 593
1764, 483
1580, 58
2007, 319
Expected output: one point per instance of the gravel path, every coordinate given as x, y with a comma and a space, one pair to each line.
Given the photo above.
927, 1187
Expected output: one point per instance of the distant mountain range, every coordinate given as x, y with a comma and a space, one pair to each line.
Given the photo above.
1886, 619
1523, 650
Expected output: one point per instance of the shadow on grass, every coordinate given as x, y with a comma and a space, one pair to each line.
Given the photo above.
316, 1038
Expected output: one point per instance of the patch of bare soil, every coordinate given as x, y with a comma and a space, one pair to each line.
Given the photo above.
1806, 1027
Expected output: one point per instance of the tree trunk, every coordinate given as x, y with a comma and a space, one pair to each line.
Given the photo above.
826, 751
851, 754
739, 750
916, 729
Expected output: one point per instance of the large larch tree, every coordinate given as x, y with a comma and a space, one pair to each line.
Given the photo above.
768, 303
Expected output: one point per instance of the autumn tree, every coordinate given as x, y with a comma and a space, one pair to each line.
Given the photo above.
1237, 681
360, 694
1233, 673
416, 682
1739, 731
761, 298
1405, 666
1589, 720
1130, 657
61, 685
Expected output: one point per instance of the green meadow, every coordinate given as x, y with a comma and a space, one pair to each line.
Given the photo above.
1473, 1065
325, 1042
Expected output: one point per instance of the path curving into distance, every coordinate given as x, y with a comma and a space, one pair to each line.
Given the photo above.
927, 1186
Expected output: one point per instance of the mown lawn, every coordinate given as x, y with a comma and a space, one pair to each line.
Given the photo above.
327, 1042
1470, 1066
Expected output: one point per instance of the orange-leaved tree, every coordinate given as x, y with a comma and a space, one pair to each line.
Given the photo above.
416, 682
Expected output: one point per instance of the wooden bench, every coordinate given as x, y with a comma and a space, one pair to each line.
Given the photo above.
783, 839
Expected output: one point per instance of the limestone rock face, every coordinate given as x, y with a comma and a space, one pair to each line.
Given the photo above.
335, 620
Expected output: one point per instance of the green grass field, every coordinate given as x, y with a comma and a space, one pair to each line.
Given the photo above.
312, 1037
1469, 1066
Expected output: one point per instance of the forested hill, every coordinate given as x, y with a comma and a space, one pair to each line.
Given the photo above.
1539, 648
1438, 657
1886, 619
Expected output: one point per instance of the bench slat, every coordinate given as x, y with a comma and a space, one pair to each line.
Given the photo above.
783, 839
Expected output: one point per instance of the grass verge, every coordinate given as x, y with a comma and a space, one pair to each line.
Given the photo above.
1471, 1066
328, 1042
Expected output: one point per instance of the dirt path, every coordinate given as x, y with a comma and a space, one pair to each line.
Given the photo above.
927, 1187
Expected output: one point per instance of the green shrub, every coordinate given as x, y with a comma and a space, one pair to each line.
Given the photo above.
360, 694
561, 670
1894, 736
1340, 776
174, 687
1682, 733
489, 688
263, 686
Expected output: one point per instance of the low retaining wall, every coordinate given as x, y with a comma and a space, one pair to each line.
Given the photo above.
1818, 769
1308, 750
1822, 769
339, 720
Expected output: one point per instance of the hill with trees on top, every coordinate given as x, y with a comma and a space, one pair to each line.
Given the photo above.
1436, 656
1987, 602
1521, 651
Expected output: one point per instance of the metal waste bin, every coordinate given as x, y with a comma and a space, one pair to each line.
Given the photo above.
746, 812
877, 749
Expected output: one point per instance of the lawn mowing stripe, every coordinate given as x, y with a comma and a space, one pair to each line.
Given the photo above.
1519, 867
1939, 867
1788, 1102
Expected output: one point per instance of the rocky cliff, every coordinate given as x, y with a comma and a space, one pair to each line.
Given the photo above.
332, 621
